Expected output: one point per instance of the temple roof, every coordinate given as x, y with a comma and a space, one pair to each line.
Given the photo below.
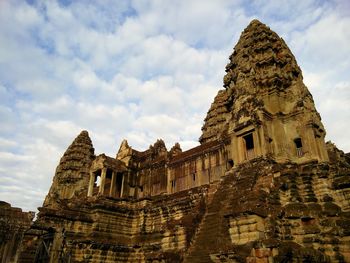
261, 64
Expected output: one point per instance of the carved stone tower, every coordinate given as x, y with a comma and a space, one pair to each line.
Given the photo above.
265, 108
72, 173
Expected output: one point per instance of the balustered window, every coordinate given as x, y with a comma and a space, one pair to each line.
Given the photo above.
299, 147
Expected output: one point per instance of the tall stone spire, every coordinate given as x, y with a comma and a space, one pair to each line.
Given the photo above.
264, 88
72, 173
264, 58
262, 64
216, 122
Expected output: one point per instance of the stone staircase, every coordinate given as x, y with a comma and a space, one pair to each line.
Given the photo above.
213, 230
236, 193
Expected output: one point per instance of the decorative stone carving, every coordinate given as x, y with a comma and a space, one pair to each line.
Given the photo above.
72, 174
265, 95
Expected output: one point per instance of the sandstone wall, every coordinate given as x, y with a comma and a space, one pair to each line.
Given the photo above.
105, 230
13, 224
298, 213
201, 165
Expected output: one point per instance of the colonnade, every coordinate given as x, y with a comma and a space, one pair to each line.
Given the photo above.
102, 187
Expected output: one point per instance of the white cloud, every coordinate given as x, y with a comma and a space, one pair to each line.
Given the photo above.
325, 43
6, 144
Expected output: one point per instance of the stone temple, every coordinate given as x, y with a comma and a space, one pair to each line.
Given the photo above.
262, 186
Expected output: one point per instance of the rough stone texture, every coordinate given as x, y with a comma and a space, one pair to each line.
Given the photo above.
72, 173
99, 229
262, 63
216, 122
262, 186
264, 90
13, 224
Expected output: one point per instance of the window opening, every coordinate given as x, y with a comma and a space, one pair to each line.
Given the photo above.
119, 181
299, 147
249, 145
97, 181
108, 181
249, 142
230, 163
109, 173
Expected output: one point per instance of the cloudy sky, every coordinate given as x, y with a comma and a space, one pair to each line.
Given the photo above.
142, 70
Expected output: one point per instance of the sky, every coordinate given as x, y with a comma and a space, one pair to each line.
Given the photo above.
142, 70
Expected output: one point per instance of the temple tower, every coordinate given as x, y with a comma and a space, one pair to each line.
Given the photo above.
265, 108
72, 173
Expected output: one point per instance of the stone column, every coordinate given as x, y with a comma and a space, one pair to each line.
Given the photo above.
234, 155
256, 141
122, 186
168, 175
209, 168
263, 146
113, 182
323, 150
56, 248
241, 149
309, 143
91, 184
103, 180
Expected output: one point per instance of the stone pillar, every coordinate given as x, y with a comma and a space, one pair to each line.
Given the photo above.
56, 248
209, 168
263, 143
122, 186
103, 180
241, 149
113, 185
309, 144
257, 145
168, 175
91, 184
234, 149
323, 150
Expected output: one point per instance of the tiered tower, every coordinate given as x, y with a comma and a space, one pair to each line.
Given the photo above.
72, 173
265, 108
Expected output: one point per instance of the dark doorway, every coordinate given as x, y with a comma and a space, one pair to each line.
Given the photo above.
249, 142
230, 163
119, 182
299, 147
249, 146
108, 181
